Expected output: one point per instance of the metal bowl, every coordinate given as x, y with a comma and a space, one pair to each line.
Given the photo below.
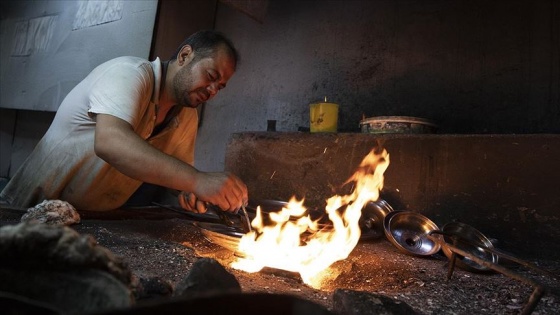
371, 220
266, 205
472, 242
408, 231
397, 124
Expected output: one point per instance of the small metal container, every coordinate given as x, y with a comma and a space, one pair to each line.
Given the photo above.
397, 124
409, 231
472, 242
371, 221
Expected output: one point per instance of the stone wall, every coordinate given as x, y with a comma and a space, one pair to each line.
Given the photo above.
503, 185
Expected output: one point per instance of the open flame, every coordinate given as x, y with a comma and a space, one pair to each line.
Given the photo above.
302, 245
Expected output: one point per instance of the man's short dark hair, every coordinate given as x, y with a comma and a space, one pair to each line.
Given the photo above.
206, 43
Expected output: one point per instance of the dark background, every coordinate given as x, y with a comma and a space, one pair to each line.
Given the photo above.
474, 67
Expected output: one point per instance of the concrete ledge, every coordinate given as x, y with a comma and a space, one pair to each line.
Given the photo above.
506, 186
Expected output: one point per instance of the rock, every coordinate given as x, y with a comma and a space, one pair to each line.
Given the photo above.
52, 212
33, 246
207, 277
55, 265
350, 302
13, 304
66, 292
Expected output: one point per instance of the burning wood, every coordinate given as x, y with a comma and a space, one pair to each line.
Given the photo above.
279, 245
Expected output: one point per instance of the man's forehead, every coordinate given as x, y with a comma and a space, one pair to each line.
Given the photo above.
222, 62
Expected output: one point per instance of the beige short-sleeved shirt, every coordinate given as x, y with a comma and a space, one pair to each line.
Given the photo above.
64, 166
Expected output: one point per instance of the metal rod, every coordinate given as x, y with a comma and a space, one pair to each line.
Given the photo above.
247, 222
539, 290
497, 252
521, 262
452, 261
534, 299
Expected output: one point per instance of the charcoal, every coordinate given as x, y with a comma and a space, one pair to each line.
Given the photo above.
152, 287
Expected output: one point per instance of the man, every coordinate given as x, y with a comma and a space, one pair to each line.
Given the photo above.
128, 122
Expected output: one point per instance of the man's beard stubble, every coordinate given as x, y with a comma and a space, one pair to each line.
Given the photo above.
182, 85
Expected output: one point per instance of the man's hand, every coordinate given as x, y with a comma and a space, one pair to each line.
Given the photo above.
224, 190
189, 202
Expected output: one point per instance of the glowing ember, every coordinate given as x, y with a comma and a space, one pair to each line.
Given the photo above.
301, 245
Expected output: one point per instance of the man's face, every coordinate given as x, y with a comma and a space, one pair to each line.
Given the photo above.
199, 80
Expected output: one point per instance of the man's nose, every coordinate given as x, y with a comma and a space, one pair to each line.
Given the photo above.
212, 89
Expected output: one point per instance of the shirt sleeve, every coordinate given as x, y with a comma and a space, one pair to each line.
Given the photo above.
123, 90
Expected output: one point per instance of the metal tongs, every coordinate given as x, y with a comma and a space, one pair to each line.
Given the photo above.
242, 213
223, 216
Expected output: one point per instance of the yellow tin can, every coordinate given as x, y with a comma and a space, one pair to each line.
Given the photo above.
323, 117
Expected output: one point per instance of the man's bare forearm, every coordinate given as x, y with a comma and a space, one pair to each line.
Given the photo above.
118, 145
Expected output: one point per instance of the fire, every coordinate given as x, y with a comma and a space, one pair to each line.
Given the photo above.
301, 245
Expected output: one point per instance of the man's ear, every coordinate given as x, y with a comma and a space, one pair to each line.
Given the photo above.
185, 54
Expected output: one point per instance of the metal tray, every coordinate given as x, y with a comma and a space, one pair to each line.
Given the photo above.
220, 234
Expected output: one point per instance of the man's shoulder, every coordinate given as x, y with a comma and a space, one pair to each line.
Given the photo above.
127, 61
126, 65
